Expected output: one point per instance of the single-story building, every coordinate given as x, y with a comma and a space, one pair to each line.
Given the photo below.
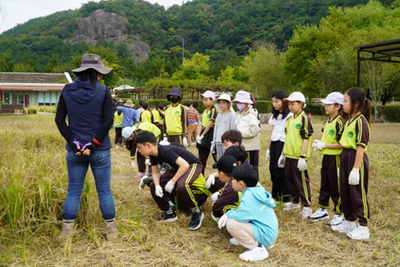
32, 88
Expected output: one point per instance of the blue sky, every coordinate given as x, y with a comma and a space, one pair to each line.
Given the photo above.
20, 11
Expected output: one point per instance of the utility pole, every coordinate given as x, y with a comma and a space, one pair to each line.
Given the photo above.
183, 49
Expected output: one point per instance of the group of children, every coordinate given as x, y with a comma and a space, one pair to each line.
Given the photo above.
344, 171
239, 202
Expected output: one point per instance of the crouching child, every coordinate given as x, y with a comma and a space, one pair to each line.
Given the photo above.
181, 183
253, 224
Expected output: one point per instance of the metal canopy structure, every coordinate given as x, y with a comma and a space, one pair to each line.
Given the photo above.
383, 51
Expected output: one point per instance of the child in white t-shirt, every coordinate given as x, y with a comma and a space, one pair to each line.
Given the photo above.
280, 113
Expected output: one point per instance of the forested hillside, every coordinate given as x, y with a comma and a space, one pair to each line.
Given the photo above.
224, 30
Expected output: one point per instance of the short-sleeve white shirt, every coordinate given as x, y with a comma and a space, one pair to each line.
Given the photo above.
278, 133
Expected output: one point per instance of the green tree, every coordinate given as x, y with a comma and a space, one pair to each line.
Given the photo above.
6, 63
194, 68
265, 71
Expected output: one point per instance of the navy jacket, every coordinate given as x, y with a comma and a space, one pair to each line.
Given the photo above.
90, 113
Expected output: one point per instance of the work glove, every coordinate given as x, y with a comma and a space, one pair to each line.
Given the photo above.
281, 161
184, 142
354, 177
267, 154
91, 146
216, 219
222, 221
165, 139
215, 196
170, 186
133, 163
212, 149
117, 125
210, 181
75, 146
199, 139
302, 164
159, 191
142, 184
147, 162
318, 145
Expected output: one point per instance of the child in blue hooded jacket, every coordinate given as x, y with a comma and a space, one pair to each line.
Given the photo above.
253, 224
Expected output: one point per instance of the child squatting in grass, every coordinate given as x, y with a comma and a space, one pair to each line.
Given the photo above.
181, 182
253, 224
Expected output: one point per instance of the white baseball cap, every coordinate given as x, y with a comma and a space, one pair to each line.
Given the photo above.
127, 131
333, 98
296, 96
208, 94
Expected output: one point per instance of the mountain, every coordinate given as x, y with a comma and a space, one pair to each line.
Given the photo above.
203, 24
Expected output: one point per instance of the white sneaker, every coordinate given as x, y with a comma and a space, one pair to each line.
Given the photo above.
306, 212
255, 254
360, 233
291, 206
344, 227
234, 241
337, 219
319, 215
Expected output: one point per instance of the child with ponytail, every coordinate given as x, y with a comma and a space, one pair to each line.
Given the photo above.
354, 166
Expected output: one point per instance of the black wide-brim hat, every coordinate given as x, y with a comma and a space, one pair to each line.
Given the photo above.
92, 61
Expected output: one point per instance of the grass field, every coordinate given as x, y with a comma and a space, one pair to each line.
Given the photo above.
33, 185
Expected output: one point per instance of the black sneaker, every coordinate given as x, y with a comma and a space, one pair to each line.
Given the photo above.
167, 217
195, 222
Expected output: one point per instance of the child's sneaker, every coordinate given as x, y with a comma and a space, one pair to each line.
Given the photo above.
234, 241
337, 219
255, 254
306, 212
360, 233
167, 217
111, 230
344, 227
319, 215
195, 222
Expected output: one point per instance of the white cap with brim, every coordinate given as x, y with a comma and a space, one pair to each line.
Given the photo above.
127, 131
208, 94
296, 96
225, 97
333, 98
92, 61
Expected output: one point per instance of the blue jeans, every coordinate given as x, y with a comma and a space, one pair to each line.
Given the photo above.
100, 163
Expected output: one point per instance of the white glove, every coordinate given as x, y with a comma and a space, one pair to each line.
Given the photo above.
214, 196
302, 164
222, 221
354, 177
184, 142
281, 161
159, 191
216, 219
170, 186
165, 139
147, 162
318, 145
133, 163
212, 149
267, 154
210, 181
199, 139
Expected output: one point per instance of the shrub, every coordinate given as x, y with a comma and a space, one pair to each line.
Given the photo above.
315, 109
32, 111
264, 107
391, 112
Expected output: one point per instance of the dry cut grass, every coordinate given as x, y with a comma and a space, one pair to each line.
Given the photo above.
34, 183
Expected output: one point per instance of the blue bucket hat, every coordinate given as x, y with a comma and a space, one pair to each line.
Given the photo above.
174, 92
